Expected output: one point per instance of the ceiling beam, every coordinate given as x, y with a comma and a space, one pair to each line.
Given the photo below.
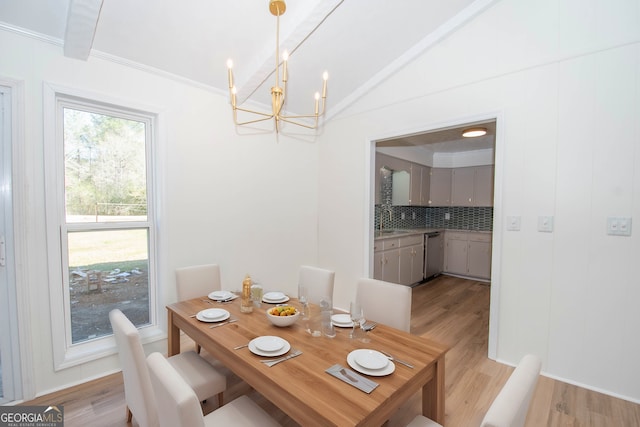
82, 21
293, 41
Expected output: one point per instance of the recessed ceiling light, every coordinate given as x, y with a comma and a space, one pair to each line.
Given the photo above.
473, 132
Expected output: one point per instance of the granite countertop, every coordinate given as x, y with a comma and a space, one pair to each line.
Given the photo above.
397, 232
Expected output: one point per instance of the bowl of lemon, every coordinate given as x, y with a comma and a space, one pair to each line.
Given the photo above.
283, 315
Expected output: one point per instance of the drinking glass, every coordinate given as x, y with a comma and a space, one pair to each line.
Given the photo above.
303, 299
357, 316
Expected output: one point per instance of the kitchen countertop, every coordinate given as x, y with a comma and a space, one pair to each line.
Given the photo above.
395, 233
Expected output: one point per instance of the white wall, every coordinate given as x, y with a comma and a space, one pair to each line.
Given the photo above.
564, 78
248, 203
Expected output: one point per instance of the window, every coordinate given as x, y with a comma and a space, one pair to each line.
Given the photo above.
100, 207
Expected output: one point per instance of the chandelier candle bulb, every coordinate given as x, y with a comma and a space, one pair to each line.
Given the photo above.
230, 72
285, 57
325, 77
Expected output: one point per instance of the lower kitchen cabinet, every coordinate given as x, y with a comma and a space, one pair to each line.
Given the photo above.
479, 262
387, 265
399, 260
411, 264
468, 254
456, 253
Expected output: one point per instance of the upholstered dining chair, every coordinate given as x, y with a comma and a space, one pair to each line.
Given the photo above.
197, 280
510, 407
203, 378
318, 282
178, 405
385, 302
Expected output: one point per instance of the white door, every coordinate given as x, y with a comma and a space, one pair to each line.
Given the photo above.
10, 382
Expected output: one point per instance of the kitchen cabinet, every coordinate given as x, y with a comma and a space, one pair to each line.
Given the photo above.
411, 259
456, 252
468, 254
483, 189
462, 186
386, 258
399, 260
472, 186
440, 187
423, 190
479, 255
410, 181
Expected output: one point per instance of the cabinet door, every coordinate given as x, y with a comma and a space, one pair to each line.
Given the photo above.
391, 266
479, 259
483, 186
425, 186
440, 187
462, 186
416, 181
406, 261
456, 256
417, 264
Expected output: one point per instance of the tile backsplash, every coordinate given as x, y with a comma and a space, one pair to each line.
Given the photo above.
460, 218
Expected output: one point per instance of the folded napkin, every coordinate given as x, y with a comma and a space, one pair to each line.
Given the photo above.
353, 378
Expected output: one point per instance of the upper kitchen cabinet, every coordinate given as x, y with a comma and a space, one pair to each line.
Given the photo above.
409, 181
483, 188
420, 179
472, 186
440, 187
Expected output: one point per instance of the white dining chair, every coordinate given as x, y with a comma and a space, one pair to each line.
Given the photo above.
510, 407
203, 379
196, 281
178, 405
317, 281
385, 302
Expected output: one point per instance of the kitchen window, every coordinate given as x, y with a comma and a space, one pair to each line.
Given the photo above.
100, 220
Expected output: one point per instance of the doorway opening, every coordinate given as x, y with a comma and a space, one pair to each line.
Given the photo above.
435, 166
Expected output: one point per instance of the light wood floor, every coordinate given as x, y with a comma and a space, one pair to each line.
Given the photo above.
448, 309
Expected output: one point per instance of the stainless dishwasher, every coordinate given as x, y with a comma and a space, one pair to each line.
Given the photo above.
433, 254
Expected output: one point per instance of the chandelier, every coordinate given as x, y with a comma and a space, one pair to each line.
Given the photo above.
279, 90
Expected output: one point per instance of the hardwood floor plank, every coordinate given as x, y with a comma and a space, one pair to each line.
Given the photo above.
448, 309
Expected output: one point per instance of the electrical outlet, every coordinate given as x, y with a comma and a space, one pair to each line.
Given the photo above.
447, 216
618, 226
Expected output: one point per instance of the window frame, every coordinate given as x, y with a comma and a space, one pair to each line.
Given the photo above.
66, 354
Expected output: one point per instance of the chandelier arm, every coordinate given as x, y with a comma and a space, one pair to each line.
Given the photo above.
293, 122
235, 117
267, 115
305, 116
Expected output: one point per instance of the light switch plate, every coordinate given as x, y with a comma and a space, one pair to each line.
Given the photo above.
545, 224
619, 226
513, 223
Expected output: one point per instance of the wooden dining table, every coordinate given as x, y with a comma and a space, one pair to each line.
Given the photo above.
300, 386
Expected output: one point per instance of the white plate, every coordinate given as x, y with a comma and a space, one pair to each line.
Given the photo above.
255, 350
265, 298
269, 343
351, 360
371, 359
274, 295
213, 313
221, 295
342, 320
221, 315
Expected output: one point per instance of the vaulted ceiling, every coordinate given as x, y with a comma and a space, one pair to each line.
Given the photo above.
359, 42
